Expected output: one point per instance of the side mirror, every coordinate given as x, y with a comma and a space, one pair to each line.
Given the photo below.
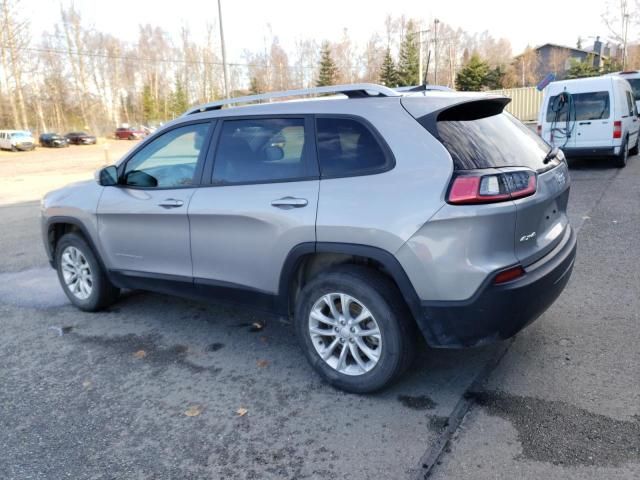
107, 176
138, 178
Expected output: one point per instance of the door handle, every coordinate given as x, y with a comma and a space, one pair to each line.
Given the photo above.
289, 202
171, 203
584, 123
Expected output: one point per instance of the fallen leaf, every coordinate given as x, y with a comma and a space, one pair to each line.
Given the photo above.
140, 354
262, 363
86, 384
193, 411
256, 327
242, 412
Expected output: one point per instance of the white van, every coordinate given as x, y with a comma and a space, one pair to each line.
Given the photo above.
633, 77
16, 140
591, 117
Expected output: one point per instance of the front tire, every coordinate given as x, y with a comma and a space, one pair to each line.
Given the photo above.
355, 329
81, 276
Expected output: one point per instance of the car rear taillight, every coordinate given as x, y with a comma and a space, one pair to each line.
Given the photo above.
509, 275
474, 188
617, 129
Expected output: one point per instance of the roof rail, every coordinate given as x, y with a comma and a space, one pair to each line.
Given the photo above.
356, 90
424, 88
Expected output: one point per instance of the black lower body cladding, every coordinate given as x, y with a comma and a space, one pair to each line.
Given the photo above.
498, 312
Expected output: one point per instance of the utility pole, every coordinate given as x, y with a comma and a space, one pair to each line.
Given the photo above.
224, 52
435, 51
625, 29
421, 78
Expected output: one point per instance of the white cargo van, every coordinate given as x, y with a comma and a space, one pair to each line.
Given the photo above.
591, 117
633, 77
16, 140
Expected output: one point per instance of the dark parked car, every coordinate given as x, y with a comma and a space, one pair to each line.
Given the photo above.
80, 138
128, 133
53, 140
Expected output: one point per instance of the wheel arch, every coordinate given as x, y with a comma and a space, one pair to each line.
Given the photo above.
306, 260
58, 226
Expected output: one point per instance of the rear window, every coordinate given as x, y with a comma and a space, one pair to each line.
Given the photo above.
347, 147
492, 141
635, 86
587, 106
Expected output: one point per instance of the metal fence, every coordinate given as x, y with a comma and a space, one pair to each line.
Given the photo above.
525, 102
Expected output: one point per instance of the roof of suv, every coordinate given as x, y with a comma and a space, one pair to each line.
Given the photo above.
341, 100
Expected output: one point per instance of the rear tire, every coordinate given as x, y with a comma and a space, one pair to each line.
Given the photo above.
634, 150
621, 159
81, 275
382, 357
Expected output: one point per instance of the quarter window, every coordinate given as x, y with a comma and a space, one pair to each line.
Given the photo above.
347, 147
262, 150
168, 161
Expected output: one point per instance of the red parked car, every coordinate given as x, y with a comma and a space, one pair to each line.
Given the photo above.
128, 133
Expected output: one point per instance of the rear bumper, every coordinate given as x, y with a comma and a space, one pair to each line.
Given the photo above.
591, 152
498, 312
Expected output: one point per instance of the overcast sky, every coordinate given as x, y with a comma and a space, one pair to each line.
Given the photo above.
246, 21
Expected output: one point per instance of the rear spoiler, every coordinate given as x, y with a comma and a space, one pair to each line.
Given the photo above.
465, 109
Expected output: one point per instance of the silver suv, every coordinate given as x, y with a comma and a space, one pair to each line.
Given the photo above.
364, 217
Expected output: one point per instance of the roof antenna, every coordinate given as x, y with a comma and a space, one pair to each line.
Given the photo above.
426, 70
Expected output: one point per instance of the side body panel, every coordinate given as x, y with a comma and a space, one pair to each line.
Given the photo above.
384, 210
239, 238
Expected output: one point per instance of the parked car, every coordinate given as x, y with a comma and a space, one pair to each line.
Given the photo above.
127, 133
363, 219
633, 77
53, 140
16, 140
591, 117
80, 138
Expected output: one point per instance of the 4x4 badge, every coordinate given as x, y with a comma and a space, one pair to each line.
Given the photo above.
528, 236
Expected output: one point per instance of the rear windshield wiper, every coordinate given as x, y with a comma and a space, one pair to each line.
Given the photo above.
553, 153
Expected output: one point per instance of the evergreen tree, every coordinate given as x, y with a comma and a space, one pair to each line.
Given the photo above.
388, 72
149, 106
474, 75
328, 70
494, 78
409, 61
580, 69
179, 100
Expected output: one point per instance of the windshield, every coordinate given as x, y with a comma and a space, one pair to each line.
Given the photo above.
20, 134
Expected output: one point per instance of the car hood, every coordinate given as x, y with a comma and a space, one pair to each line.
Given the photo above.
62, 196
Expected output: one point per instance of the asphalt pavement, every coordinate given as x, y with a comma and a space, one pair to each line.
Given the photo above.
160, 387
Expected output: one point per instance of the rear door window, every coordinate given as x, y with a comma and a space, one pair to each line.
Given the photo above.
347, 147
493, 141
586, 106
263, 150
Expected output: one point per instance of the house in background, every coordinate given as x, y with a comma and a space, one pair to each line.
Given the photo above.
557, 59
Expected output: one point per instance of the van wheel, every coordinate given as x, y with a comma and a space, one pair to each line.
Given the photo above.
82, 278
355, 328
621, 159
14, 148
636, 148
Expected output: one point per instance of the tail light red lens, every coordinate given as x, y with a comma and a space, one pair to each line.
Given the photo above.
617, 129
509, 275
474, 188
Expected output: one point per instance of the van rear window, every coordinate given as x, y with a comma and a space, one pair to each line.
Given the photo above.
492, 141
587, 106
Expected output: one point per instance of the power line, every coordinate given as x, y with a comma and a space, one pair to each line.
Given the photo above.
149, 60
